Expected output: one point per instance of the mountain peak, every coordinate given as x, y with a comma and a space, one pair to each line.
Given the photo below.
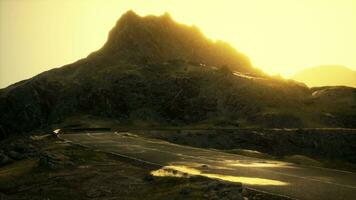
157, 39
327, 75
130, 13
128, 17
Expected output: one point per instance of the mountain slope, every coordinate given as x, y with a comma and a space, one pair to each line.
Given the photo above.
151, 39
156, 71
327, 75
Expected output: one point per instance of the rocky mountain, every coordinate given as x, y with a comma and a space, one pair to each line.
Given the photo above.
151, 40
159, 72
327, 75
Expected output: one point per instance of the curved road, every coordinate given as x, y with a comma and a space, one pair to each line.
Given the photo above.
294, 181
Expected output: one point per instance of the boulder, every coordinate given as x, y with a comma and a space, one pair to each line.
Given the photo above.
54, 161
224, 190
4, 159
16, 155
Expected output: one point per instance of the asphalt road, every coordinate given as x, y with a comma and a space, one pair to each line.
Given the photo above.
295, 181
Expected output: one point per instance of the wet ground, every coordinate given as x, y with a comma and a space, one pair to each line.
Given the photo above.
58, 170
271, 176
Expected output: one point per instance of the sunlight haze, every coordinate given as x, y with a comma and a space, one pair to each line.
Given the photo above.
279, 36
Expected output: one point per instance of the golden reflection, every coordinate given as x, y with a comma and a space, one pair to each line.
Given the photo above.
254, 163
176, 171
260, 164
167, 172
246, 180
183, 171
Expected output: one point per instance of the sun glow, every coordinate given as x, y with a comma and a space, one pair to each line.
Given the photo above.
279, 36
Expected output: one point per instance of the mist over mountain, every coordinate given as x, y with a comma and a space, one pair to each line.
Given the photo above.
155, 71
327, 75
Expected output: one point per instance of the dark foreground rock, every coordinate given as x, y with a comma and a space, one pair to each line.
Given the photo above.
4, 159
53, 160
222, 190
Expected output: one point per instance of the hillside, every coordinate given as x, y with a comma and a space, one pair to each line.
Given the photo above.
152, 40
155, 71
327, 75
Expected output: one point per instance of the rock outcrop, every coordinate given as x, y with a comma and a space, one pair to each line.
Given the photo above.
155, 70
152, 40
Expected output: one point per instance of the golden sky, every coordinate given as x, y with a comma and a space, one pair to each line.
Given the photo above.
279, 36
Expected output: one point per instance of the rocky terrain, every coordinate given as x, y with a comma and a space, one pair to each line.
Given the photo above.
153, 70
333, 148
44, 167
156, 71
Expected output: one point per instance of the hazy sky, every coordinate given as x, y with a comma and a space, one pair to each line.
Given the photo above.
279, 36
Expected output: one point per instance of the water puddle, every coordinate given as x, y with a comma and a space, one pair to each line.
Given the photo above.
257, 164
185, 172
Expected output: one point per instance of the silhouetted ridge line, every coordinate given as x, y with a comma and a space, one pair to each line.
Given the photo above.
157, 39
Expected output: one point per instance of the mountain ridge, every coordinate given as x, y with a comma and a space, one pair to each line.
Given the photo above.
327, 75
157, 39
114, 82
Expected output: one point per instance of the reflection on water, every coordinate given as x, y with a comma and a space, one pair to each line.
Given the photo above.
183, 171
246, 180
176, 171
257, 164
